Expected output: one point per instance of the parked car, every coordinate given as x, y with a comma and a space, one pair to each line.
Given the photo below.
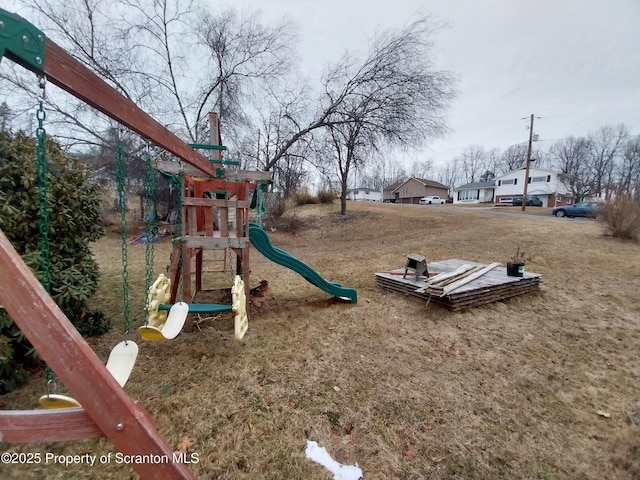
581, 209
433, 199
532, 201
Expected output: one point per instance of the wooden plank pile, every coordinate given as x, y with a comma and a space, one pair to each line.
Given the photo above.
458, 284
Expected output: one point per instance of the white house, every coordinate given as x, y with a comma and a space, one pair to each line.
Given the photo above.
544, 184
364, 194
475, 192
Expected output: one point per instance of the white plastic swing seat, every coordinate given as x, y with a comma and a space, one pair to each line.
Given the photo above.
172, 326
239, 298
53, 400
121, 361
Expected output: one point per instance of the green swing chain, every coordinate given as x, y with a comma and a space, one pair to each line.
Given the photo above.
178, 230
226, 206
43, 208
150, 226
43, 201
122, 198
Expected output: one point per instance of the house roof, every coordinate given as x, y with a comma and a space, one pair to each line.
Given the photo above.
473, 185
524, 168
393, 186
424, 181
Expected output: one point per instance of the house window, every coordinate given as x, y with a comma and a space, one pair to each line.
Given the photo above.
538, 179
405, 191
509, 182
468, 195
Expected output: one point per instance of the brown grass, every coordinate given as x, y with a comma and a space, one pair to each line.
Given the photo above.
509, 390
304, 197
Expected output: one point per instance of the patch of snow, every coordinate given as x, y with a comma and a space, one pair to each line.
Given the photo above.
340, 472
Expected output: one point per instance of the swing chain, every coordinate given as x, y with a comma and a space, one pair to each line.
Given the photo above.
178, 230
226, 206
43, 201
122, 198
150, 227
43, 207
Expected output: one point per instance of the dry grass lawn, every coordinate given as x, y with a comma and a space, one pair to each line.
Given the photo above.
509, 390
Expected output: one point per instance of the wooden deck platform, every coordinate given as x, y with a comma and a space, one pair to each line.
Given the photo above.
493, 286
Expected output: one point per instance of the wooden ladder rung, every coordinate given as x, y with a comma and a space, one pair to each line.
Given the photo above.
214, 243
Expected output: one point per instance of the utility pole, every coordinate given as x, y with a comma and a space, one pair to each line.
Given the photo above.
526, 174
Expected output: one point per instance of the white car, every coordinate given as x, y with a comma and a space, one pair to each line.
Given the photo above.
433, 199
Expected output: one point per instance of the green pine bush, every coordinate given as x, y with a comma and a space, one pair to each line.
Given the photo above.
74, 222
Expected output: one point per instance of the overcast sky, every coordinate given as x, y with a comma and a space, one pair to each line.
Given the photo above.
575, 63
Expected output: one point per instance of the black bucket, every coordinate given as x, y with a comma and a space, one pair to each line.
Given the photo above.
515, 269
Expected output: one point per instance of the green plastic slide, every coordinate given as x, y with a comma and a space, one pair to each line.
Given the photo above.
260, 240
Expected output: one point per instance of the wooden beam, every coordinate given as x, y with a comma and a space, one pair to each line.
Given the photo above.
214, 133
45, 426
213, 202
174, 271
125, 422
214, 243
451, 287
442, 277
70, 75
230, 174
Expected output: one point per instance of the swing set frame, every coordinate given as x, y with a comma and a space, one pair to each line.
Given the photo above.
107, 411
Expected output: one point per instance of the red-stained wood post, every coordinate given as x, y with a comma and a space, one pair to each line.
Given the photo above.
123, 421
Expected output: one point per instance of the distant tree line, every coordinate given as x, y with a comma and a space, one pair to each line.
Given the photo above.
599, 164
596, 165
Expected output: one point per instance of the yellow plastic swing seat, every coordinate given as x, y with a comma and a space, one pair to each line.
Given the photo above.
149, 332
172, 326
52, 401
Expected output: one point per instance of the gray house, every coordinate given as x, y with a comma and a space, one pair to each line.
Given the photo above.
475, 192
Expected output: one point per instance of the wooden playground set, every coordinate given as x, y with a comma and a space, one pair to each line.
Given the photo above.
99, 406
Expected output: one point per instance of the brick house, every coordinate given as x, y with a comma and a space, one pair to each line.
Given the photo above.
413, 189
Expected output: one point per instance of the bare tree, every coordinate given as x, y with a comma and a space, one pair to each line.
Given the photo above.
421, 169
349, 152
6, 117
382, 170
571, 160
473, 160
450, 175
393, 93
513, 157
490, 166
628, 171
391, 97
605, 145
242, 52
278, 125
173, 58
